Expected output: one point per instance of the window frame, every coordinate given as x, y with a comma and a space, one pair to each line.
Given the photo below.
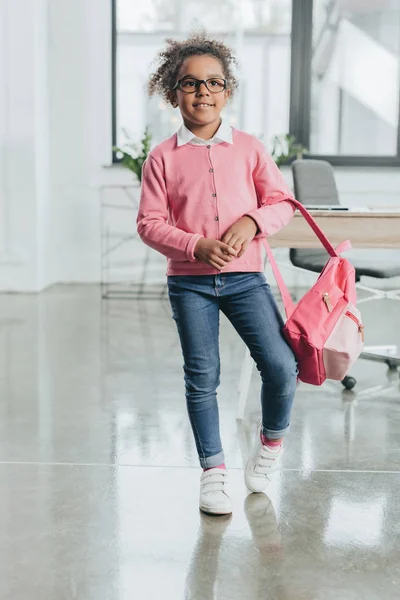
114, 49
300, 90
300, 93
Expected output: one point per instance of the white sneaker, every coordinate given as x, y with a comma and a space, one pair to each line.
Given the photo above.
262, 463
214, 497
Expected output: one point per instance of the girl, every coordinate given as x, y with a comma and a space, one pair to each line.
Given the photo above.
210, 193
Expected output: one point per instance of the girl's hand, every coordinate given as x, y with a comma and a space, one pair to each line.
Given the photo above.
240, 234
214, 253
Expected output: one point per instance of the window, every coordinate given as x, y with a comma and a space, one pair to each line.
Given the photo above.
325, 70
345, 99
259, 32
355, 78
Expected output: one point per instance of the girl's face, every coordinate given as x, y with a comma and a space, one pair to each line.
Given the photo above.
202, 107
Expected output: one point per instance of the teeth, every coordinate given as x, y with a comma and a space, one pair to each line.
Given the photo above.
202, 104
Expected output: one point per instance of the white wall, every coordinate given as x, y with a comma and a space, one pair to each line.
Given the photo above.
22, 156
80, 136
55, 140
55, 64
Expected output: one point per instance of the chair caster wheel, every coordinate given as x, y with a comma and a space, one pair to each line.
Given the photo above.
349, 382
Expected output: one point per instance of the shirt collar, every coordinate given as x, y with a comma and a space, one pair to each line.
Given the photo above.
224, 134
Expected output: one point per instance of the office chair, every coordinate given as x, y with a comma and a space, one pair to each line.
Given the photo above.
314, 184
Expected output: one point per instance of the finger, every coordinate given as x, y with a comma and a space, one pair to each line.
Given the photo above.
227, 238
217, 264
238, 244
226, 258
226, 242
225, 249
232, 239
219, 260
243, 249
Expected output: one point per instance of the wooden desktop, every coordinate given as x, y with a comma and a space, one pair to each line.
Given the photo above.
364, 228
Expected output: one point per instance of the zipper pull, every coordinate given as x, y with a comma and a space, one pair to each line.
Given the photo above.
361, 330
327, 300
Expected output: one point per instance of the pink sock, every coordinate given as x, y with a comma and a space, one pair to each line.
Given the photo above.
274, 444
223, 466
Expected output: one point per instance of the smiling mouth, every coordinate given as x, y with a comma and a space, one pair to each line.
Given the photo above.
203, 105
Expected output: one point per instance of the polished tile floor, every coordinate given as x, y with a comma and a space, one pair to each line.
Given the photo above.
99, 476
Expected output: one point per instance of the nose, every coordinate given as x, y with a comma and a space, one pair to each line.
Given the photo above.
202, 89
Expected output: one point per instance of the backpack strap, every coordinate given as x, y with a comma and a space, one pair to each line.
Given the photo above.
319, 233
286, 297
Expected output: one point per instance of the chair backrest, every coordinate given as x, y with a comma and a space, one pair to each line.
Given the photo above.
314, 182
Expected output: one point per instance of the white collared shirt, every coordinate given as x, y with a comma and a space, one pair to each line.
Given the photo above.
224, 134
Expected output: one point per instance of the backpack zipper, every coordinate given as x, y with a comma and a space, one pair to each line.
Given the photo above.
357, 322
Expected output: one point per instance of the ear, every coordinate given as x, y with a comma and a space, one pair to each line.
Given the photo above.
172, 99
227, 95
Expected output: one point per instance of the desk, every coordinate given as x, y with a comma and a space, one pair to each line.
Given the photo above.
365, 229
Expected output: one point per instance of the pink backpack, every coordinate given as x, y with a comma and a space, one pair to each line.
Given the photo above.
324, 329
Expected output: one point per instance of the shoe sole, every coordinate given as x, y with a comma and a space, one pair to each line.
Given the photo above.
207, 510
258, 491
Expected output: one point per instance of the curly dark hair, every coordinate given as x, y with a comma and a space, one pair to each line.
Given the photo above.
173, 56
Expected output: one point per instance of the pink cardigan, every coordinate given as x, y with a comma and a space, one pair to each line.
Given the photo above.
192, 191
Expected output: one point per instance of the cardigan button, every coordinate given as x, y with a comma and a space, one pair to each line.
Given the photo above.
209, 146
211, 171
216, 218
214, 195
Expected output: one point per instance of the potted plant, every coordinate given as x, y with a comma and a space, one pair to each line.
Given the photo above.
285, 148
132, 155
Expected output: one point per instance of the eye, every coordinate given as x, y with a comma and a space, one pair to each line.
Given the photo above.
188, 83
216, 83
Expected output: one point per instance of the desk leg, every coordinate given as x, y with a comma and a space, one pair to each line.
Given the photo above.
244, 384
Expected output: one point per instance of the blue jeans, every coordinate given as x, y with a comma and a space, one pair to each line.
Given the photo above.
247, 301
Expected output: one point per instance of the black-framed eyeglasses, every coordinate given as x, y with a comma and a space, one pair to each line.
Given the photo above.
189, 85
